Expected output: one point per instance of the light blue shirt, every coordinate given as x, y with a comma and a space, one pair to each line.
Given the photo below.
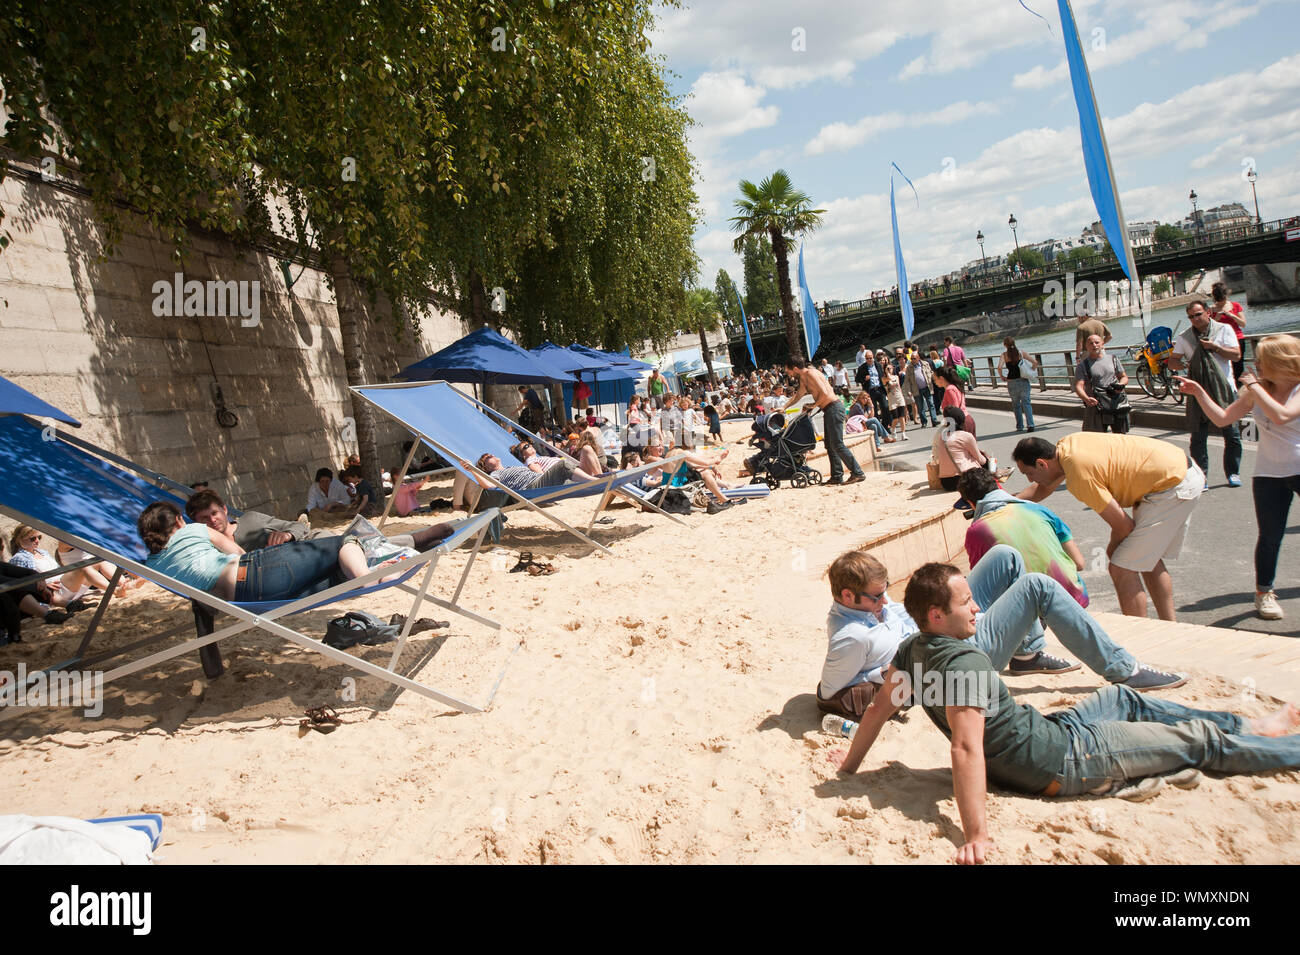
191, 558
862, 644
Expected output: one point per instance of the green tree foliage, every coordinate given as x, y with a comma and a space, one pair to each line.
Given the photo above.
760, 276
776, 208
414, 150
705, 315
724, 290
1078, 257
1029, 259
1168, 233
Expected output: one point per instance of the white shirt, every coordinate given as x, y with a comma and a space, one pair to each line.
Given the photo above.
860, 357
841, 377
1222, 335
338, 494
1279, 444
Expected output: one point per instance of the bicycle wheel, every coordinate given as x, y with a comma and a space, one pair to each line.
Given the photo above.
1172, 385
1155, 387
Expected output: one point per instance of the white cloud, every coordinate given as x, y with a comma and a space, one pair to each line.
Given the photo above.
837, 136
725, 105
1040, 77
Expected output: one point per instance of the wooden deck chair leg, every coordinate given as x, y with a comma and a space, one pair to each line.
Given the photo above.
410, 615
210, 654
604, 501
99, 613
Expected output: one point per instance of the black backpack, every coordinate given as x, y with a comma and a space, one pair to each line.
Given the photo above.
356, 627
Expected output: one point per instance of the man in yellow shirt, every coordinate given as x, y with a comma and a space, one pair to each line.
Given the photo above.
1111, 472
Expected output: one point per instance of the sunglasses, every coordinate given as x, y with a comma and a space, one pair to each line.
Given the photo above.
34, 539
874, 598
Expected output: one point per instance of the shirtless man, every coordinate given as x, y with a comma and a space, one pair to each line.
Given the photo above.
813, 382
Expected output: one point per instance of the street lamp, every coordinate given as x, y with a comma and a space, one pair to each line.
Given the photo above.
1196, 219
1251, 177
1013, 223
979, 237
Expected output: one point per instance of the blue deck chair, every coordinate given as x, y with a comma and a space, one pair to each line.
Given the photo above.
462, 429
91, 499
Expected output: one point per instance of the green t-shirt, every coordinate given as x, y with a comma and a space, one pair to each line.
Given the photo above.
656, 386
1023, 749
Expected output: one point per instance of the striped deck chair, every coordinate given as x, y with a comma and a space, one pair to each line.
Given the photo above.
91, 499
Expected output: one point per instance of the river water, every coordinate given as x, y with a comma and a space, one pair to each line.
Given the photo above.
1260, 319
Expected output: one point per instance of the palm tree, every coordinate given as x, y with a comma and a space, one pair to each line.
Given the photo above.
775, 207
702, 306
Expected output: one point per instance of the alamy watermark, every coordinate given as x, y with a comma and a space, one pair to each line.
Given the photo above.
211, 299
1072, 299
947, 688
75, 688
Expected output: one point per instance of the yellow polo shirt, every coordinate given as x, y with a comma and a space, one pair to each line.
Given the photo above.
1102, 467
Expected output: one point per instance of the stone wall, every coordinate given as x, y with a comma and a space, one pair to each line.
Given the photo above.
79, 330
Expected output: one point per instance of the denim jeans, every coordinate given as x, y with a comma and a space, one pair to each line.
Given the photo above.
1020, 406
1231, 449
879, 429
1015, 604
1272, 505
291, 570
1117, 734
925, 401
833, 438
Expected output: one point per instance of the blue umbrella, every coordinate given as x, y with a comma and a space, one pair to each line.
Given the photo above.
15, 400
571, 361
484, 357
616, 366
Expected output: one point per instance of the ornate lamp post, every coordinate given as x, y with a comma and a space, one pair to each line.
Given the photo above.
979, 237
1250, 178
1196, 218
1013, 223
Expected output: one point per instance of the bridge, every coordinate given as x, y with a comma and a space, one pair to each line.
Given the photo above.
879, 320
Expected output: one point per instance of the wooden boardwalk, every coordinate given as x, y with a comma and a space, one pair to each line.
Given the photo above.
1272, 662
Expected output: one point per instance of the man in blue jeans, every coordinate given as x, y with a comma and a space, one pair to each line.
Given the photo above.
865, 629
813, 382
1113, 737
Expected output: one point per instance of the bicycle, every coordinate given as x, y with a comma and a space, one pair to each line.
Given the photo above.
1153, 375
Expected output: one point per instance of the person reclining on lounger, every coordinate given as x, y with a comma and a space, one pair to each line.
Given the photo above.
255, 530
865, 628
1115, 736
704, 463
197, 555
523, 478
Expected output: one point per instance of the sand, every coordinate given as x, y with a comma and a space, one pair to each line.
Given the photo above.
656, 706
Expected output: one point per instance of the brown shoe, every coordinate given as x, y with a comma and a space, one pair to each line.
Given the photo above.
854, 479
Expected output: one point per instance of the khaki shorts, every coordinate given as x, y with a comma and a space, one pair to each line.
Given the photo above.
1161, 522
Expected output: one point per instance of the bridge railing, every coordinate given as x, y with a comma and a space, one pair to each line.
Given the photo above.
1056, 368
883, 302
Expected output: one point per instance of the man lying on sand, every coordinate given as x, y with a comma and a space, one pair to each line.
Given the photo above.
255, 530
865, 629
1113, 737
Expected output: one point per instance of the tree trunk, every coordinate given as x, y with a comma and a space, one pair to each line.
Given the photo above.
504, 398
708, 359
792, 337
347, 301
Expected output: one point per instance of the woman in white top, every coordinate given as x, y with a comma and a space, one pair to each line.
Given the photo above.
25, 542
841, 376
1274, 394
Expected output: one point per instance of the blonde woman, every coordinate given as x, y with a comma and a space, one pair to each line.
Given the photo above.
897, 403
1015, 368
1273, 393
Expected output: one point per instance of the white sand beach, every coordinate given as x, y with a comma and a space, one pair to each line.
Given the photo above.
656, 706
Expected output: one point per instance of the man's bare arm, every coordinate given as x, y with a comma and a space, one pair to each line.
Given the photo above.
1121, 525
889, 699
803, 390
1040, 492
968, 781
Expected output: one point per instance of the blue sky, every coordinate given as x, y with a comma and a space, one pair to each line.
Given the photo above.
972, 100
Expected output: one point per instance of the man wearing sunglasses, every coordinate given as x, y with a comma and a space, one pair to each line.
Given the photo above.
865, 628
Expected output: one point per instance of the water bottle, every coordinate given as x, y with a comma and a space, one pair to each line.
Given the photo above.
838, 726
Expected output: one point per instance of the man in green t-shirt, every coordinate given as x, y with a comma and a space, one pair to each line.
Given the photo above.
1126, 736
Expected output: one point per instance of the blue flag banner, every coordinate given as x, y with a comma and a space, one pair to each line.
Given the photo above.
904, 298
1096, 157
812, 329
749, 342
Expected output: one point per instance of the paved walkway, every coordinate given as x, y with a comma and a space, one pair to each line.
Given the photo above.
1214, 576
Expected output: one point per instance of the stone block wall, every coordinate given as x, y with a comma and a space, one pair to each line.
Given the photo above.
79, 330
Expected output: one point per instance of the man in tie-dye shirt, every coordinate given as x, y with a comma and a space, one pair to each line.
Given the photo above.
1043, 539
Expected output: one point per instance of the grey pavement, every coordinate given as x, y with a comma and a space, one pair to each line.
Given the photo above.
1214, 577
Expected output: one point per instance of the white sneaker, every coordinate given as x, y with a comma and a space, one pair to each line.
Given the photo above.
1267, 608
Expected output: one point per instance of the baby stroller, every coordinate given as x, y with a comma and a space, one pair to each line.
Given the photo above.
782, 449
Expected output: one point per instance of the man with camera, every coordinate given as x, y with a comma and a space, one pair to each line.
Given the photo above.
1099, 381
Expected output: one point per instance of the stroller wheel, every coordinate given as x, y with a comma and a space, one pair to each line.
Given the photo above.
800, 479
771, 482
815, 476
